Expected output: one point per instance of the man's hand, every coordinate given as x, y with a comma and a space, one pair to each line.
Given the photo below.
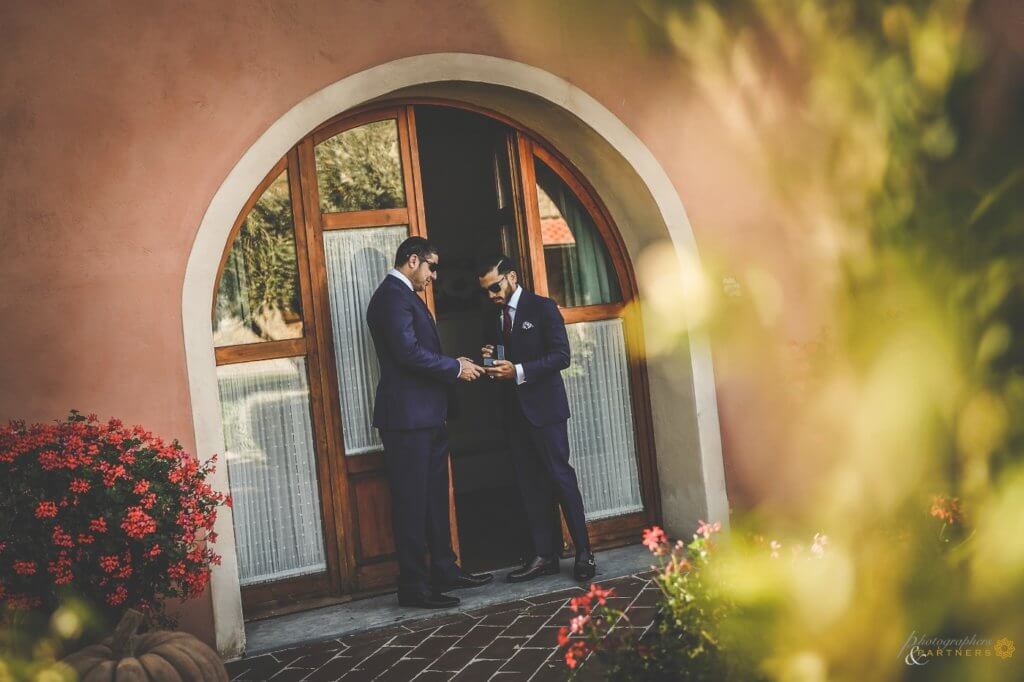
503, 370
469, 370
487, 351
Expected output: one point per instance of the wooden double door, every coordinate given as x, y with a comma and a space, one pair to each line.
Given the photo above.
302, 452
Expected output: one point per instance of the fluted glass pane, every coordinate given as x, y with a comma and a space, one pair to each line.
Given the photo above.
357, 261
269, 450
601, 434
361, 169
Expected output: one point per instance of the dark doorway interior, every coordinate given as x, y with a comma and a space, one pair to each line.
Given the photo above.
464, 164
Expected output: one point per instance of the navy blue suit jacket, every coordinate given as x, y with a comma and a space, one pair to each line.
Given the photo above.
416, 380
540, 344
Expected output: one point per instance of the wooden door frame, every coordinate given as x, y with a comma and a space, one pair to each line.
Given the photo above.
616, 531
362, 574
256, 598
318, 346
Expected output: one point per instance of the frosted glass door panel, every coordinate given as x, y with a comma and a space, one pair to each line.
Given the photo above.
357, 262
269, 450
601, 435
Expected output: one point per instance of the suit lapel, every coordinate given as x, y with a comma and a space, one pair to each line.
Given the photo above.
405, 289
426, 309
521, 312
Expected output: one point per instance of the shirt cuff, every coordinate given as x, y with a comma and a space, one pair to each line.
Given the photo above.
520, 376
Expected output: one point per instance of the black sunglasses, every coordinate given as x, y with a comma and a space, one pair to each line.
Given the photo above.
496, 287
432, 266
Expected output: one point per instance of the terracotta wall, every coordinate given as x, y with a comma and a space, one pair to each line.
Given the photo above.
119, 120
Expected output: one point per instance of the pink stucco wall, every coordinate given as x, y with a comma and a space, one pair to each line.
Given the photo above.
119, 120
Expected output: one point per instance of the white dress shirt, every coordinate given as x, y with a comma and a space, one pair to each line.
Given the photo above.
395, 273
399, 276
513, 303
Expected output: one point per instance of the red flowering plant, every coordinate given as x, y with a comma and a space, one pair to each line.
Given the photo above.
109, 513
683, 643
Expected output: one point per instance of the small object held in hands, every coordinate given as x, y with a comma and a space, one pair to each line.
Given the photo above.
497, 353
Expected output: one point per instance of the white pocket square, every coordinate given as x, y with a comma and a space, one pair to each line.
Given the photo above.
527, 325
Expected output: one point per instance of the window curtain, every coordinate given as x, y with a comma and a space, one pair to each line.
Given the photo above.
589, 276
601, 434
357, 262
271, 467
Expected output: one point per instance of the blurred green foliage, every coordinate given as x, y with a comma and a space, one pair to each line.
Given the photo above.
32, 642
890, 136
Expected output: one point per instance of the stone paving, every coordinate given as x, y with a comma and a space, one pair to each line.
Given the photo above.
503, 643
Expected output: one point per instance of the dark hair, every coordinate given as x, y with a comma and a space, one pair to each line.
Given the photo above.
504, 264
413, 246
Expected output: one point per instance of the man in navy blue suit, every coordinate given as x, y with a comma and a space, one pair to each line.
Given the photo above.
410, 411
536, 410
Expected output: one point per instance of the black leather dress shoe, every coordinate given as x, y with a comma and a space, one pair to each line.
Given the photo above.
534, 568
434, 600
585, 566
465, 581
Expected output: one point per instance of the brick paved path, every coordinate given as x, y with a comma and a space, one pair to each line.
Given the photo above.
502, 643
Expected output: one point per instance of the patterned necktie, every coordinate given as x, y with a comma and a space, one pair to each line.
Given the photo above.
506, 322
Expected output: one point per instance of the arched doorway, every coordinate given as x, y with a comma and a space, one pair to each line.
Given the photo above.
635, 188
297, 371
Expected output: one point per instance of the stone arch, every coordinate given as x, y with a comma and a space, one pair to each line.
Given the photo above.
623, 171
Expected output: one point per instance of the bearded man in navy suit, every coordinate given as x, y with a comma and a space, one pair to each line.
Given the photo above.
411, 411
532, 332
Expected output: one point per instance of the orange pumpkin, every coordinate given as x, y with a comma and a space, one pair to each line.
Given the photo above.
158, 656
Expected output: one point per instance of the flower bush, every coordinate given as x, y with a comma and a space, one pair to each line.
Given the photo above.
110, 513
719, 605
686, 641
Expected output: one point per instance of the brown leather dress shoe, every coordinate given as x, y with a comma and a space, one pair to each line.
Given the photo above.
534, 568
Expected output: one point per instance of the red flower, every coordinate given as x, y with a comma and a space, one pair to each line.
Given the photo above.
62, 538
947, 509
25, 567
654, 539
84, 539
118, 596
706, 529
575, 654
581, 602
98, 525
563, 636
153, 551
79, 485
141, 487
46, 510
61, 570
137, 523
599, 594
49, 460
109, 563
111, 474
